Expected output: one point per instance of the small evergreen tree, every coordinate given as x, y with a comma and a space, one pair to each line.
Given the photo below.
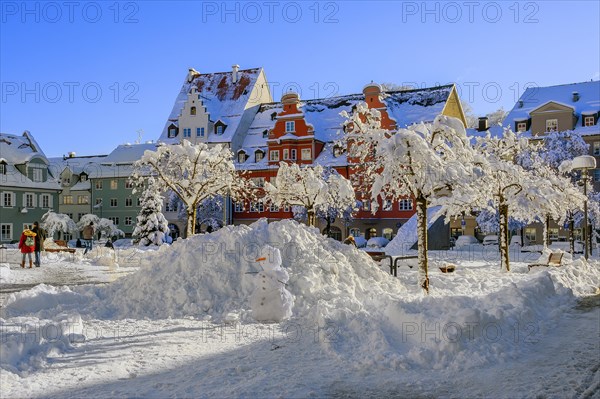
152, 226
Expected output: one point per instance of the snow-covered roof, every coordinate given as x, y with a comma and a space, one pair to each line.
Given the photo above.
17, 150
76, 164
128, 153
588, 101
406, 107
224, 100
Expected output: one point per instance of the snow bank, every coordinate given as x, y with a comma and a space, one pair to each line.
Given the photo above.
342, 299
28, 342
4, 273
407, 237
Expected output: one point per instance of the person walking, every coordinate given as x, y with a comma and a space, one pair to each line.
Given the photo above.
27, 246
40, 237
88, 236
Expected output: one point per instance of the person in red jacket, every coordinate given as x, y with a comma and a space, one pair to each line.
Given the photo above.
27, 246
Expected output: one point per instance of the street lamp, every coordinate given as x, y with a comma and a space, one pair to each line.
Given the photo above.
585, 163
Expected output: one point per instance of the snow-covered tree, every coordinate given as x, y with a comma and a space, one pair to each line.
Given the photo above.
57, 222
152, 226
432, 163
524, 193
194, 172
341, 202
310, 188
104, 226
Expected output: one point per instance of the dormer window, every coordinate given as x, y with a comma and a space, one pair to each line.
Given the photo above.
241, 157
265, 134
337, 151
83, 177
290, 126
2, 168
521, 126
589, 120
259, 155
551, 125
193, 111
172, 131
273, 116
220, 128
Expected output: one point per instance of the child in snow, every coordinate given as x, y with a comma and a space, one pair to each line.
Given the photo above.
271, 301
27, 246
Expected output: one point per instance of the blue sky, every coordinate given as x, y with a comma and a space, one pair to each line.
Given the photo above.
89, 76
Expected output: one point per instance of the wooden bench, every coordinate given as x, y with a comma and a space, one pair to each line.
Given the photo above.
554, 260
62, 247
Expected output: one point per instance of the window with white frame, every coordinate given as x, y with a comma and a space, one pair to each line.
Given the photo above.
253, 206
114, 184
37, 173
128, 221
113, 202
219, 130
553, 233
293, 154
355, 232
2, 168
70, 215
258, 156
406, 204
80, 215
530, 234
128, 184
551, 125
67, 199
98, 201
596, 175
387, 205
306, 154
366, 205
290, 126
261, 206
588, 121
286, 208
28, 201
239, 206
8, 199
83, 199
187, 132
114, 219
139, 201
45, 201
596, 148
286, 154
521, 126
274, 155
241, 157
6, 232
98, 184
258, 181
129, 201
273, 208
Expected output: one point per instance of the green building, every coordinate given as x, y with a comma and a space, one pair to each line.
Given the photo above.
28, 188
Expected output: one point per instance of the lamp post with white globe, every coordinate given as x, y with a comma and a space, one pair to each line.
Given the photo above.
585, 163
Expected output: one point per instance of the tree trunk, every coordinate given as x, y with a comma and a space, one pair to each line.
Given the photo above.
547, 232
421, 203
571, 233
504, 256
328, 228
310, 215
191, 222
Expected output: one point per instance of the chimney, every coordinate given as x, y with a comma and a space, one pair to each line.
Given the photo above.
234, 73
575, 96
483, 124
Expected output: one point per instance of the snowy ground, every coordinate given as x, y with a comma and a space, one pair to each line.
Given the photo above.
356, 331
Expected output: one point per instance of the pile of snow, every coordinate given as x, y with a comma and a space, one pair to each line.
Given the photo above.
4, 272
27, 342
352, 308
377, 242
407, 237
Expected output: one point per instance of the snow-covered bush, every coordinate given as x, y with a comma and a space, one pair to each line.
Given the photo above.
152, 226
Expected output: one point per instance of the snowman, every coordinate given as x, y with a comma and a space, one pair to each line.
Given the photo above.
271, 301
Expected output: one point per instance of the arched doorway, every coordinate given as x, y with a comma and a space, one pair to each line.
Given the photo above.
370, 233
